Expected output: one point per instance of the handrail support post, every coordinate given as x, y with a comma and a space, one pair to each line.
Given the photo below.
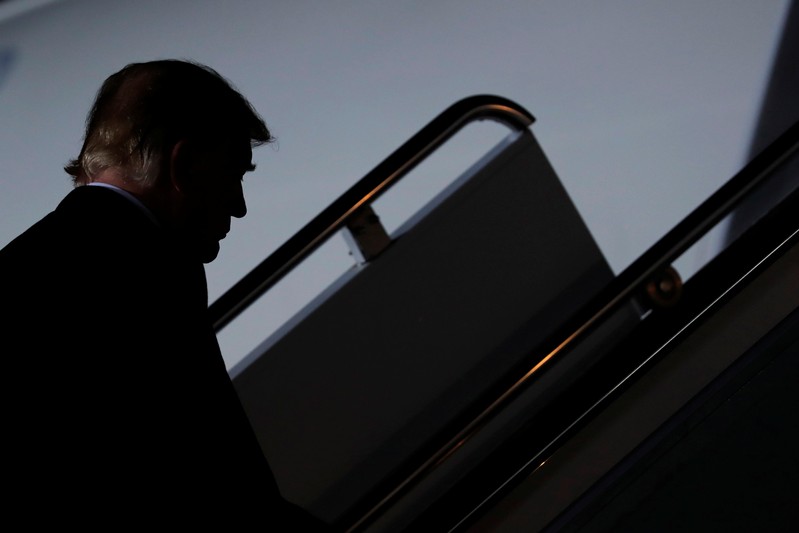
365, 234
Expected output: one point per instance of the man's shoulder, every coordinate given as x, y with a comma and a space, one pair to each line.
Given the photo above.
93, 231
84, 212
100, 203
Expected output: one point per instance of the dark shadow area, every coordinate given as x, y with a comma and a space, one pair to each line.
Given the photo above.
728, 462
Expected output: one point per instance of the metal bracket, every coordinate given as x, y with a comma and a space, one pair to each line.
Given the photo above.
665, 288
365, 235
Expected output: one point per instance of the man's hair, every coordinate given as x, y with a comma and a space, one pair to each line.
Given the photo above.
143, 110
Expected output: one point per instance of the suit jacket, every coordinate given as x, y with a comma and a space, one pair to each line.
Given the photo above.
118, 400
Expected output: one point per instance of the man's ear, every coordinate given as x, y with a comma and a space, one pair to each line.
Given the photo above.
181, 165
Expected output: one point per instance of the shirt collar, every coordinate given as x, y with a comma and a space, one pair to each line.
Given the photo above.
129, 196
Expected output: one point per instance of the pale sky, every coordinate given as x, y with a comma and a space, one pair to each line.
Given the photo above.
644, 107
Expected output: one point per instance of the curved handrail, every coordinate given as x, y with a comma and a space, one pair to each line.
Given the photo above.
367, 189
625, 286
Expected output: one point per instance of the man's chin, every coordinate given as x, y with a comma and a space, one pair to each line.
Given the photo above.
209, 252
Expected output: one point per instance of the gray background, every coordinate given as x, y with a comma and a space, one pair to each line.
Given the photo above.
644, 107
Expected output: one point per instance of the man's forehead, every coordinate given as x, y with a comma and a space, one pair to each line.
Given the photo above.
242, 155
236, 152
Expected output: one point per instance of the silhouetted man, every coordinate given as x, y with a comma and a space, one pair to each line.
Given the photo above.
119, 409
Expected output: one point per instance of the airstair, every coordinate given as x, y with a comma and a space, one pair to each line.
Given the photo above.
481, 367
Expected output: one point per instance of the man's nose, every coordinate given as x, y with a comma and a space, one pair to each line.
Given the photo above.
238, 206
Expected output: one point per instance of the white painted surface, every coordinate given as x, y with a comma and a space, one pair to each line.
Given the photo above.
643, 107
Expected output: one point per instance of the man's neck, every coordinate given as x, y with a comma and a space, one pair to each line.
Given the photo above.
153, 201
130, 197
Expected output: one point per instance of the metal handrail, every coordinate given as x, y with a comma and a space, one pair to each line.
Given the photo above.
625, 286
266, 274
630, 282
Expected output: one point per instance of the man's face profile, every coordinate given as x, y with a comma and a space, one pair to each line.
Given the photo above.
214, 196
